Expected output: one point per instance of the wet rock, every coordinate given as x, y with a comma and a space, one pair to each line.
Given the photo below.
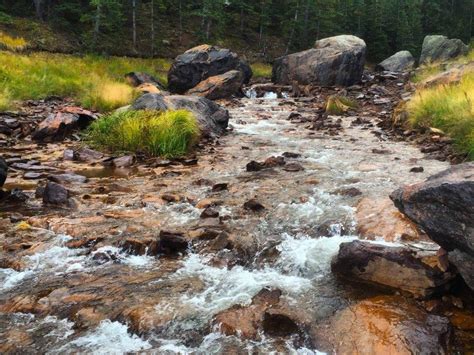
209, 213
124, 162
137, 79
3, 171
68, 154
443, 206
399, 62
220, 187
58, 126
254, 166
68, 178
253, 205
293, 167
209, 202
387, 325
34, 176
246, 321
440, 48
87, 155
402, 268
212, 118
55, 194
278, 324
351, 192
417, 169
379, 218
272, 162
220, 86
291, 155
140, 246
201, 62
335, 60
172, 243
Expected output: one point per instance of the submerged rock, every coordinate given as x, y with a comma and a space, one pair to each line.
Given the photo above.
201, 62
212, 118
440, 48
443, 206
402, 268
335, 60
220, 86
399, 62
3, 171
59, 125
387, 325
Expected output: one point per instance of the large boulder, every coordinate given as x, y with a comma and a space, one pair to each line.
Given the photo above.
333, 61
59, 125
199, 63
440, 48
403, 268
386, 325
399, 62
220, 86
136, 79
212, 118
443, 206
3, 171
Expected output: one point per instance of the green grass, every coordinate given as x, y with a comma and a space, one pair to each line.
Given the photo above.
449, 108
92, 81
337, 104
261, 70
167, 134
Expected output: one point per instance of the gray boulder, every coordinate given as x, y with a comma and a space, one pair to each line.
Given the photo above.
138, 78
220, 86
333, 61
3, 171
212, 118
443, 206
55, 194
399, 62
199, 63
440, 48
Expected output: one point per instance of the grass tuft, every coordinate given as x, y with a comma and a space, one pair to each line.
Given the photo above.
168, 134
261, 70
337, 105
14, 44
93, 82
449, 108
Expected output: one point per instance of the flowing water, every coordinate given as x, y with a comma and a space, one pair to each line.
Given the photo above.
65, 299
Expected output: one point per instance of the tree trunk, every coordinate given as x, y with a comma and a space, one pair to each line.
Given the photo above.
180, 21
39, 9
98, 15
290, 39
208, 28
306, 22
134, 24
152, 14
241, 19
262, 19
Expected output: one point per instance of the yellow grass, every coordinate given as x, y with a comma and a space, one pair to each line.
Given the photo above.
11, 43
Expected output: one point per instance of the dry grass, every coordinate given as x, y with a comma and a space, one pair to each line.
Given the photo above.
261, 70
15, 44
337, 105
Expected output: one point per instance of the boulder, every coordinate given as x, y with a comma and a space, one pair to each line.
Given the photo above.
137, 79
199, 63
403, 268
443, 206
3, 171
220, 86
172, 243
59, 125
212, 118
333, 61
440, 48
399, 62
387, 325
55, 194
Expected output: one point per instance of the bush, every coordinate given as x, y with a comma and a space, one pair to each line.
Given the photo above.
449, 108
167, 134
94, 82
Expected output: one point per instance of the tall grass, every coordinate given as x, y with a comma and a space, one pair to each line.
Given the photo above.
167, 134
15, 44
94, 82
449, 108
261, 70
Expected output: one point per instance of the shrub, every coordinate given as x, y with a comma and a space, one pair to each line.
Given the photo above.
167, 134
261, 70
449, 108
